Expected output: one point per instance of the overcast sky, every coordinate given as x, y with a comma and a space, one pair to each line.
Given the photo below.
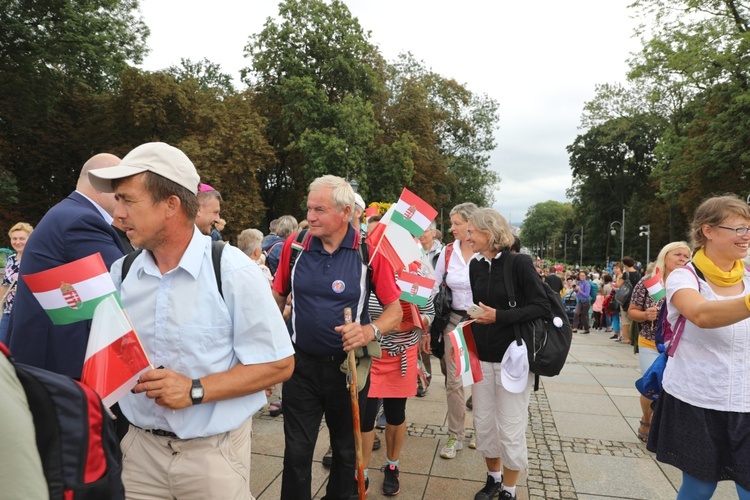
540, 60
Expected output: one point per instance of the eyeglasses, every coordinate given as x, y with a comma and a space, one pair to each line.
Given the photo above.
739, 231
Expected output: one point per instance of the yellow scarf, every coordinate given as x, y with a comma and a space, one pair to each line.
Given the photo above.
716, 275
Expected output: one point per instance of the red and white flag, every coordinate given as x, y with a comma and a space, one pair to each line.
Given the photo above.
114, 355
415, 288
411, 319
465, 354
413, 213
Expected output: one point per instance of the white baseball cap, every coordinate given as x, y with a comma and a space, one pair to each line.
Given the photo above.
359, 201
514, 368
157, 157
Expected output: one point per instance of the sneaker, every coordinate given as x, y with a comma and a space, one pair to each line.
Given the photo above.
421, 391
328, 458
473, 442
376, 444
390, 481
490, 490
451, 447
505, 495
614, 337
355, 492
274, 409
469, 404
380, 421
586, 332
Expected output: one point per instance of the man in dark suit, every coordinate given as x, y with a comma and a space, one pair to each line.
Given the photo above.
78, 226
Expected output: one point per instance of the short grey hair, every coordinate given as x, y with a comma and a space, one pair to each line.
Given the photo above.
205, 196
464, 210
488, 220
286, 226
341, 192
249, 240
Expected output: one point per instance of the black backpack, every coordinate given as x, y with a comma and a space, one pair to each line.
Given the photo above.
547, 344
75, 436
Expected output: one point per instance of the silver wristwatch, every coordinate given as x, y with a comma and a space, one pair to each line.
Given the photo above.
378, 335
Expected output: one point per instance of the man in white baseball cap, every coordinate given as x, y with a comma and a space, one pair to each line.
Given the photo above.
217, 349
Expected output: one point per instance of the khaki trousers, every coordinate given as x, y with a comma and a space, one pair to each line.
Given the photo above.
454, 388
156, 467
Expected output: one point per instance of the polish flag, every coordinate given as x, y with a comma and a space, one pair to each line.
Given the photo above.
465, 353
114, 355
413, 213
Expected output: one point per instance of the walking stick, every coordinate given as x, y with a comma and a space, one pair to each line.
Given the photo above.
354, 396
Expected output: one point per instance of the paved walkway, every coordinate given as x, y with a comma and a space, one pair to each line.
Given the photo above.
582, 440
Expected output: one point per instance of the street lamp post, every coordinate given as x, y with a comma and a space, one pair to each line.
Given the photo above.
646, 231
578, 238
613, 231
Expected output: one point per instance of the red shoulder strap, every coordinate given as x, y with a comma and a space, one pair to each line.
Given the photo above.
448, 253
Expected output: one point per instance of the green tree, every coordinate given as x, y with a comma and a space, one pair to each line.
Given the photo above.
545, 224
55, 57
208, 75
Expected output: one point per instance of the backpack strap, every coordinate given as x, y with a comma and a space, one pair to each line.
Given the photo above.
297, 246
679, 325
217, 248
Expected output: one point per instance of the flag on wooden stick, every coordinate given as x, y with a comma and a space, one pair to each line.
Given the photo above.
654, 286
465, 353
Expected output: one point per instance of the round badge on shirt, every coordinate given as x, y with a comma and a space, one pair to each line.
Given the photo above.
338, 286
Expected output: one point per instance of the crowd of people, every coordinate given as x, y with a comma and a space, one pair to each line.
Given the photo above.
224, 331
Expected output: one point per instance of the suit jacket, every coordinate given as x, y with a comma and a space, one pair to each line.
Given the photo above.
69, 231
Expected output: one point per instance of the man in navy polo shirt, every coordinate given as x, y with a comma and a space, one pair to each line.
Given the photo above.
327, 277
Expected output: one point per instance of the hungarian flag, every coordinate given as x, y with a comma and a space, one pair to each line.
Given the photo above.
394, 242
655, 287
413, 213
70, 293
415, 288
114, 355
465, 353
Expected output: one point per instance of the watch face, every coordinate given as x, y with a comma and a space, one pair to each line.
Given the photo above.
196, 392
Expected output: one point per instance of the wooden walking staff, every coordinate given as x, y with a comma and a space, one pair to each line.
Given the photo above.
351, 380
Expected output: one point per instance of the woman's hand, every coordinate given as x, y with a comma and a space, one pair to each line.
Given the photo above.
652, 313
487, 316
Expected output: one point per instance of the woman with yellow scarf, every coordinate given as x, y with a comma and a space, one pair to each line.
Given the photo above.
701, 424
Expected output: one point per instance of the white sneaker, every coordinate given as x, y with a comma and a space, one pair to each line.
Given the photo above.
473, 442
451, 447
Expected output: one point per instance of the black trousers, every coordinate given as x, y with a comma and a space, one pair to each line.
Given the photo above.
318, 387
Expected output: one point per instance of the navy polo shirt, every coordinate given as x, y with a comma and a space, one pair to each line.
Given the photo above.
323, 284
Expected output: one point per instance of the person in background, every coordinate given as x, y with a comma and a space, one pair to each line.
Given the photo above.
457, 280
501, 410
553, 280
209, 206
285, 226
599, 321
18, 234
78, 226
701, 424
432, 248
218, 228
583, 302
645, 311
249, 242
617, 278
630, 273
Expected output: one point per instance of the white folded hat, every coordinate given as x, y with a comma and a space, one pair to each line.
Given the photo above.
514, 368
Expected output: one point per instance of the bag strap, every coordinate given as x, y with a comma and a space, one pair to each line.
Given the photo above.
679, 325
217, 248
510, 292
448, 253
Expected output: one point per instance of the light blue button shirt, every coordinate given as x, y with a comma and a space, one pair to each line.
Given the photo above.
186, 326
